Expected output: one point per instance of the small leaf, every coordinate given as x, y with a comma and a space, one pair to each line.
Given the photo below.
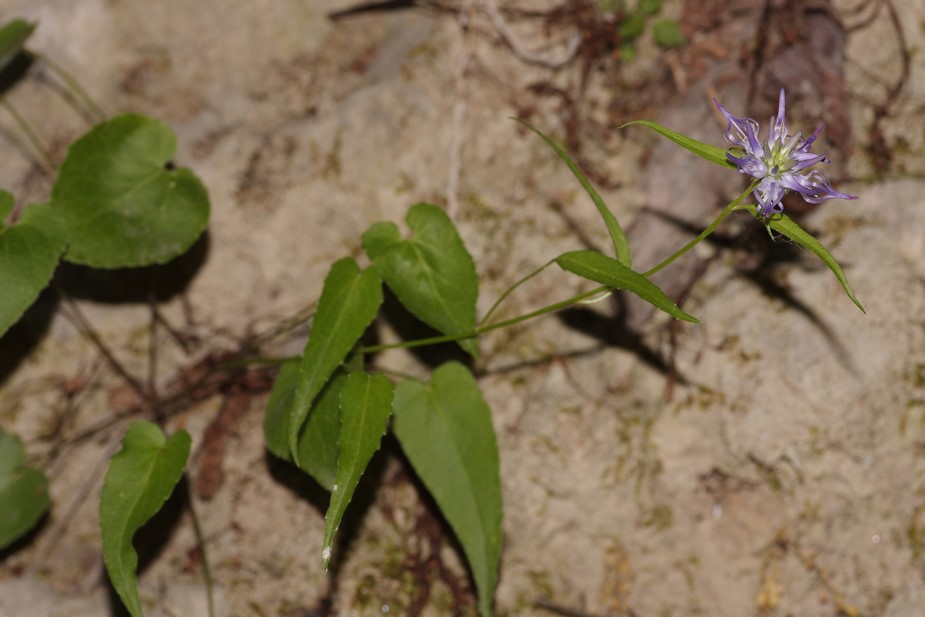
632, 26
668, 34
784, 225
141, 477
120, 202
365, 406
349, 302
620, 244
602, 269
12, 38
431, 273
29, 252
23, 491
446, 432
650, 7
714, 154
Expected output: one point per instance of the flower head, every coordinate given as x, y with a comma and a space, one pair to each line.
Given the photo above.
778, 161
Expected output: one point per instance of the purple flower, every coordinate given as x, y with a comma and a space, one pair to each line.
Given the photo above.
778, 161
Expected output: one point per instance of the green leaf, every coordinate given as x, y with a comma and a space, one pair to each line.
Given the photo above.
650, 7
602, 269
632, 26
23, 491
784, 225
431, 273
276, 416
318, 440
668, 34
365, 406
141, 477
620, 245
121, 203
349, 302
29, 252
714, 154
12, 38
446, 432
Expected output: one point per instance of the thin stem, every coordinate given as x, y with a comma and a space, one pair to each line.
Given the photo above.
87, 330
71, 82
206, 573
435, 340
511, 290
33, 137
706, 232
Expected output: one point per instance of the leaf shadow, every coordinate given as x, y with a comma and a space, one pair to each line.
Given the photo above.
26, 539
18, 342
135, 285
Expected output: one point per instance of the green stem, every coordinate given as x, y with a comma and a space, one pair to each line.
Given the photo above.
71, 83
33, 137
449, 338
706, 232
512, 288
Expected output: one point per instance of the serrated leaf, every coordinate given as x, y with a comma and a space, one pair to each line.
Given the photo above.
349, 302
602, 269
667, 33
365, 406
787, 227
12, 38
120, 203
141, 477
29, 252
23, 491
711, 153
445, 430
617, 236
431, 273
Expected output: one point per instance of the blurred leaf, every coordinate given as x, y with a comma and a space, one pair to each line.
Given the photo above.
784, 225
141, 477
714, 154
12, 38
602, 269
23, 491
446, 432
121, 203
632, 26
29, 252
650, 7
621, 246
349, 302
365, 406
431, 273
668, 34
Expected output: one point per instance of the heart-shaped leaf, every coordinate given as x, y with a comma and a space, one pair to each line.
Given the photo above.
786, 226
141, 477
349, 302
431, 273
23, 491
365, 406
712, 153
602, 269
120, 201
617, 236
445, 430
29, 252
12, 38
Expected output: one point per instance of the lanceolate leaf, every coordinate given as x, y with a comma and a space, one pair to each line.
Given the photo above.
23, 491
621, 246
121, 203
318, 439
349, 302
784, 225
141, 477
12, 38
602, 269
29, 252
431, 273
365, 402
712, 153
446, 432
